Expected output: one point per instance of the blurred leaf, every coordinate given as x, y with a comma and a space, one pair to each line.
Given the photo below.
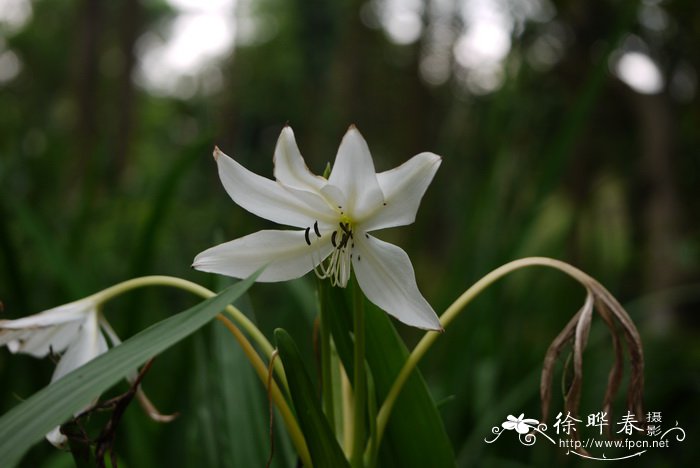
51, 254
28, 422
323, 446
415, 435
147, 244
232, 409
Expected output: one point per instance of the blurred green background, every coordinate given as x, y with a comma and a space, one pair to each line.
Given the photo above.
567, 128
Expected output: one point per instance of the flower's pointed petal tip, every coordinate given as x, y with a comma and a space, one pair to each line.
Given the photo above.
199, 262
428, 159
13, 346
354, 132
436, 158
57, 439
432, 326
217, 152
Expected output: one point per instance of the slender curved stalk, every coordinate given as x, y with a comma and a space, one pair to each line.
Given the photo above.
450, 314
160, 280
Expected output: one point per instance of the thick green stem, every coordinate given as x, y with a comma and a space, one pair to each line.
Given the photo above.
359, 380
326, 373
450, 314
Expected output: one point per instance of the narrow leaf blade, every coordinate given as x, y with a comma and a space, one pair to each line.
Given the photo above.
323, 446
415, 435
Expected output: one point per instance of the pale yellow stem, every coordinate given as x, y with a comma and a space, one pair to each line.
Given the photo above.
238, 316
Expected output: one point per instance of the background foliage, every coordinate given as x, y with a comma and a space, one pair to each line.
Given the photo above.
547, 150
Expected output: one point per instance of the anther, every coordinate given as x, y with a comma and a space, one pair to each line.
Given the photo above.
344, 241
316, 230
335, 233
306, 235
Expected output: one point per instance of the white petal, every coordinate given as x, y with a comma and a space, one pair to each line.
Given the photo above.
39, 342
51, 330
57, 439
267, 198
403, 189
89, 344
508, 425
290, 168
286, 254
353, 173
385, 274
65, 313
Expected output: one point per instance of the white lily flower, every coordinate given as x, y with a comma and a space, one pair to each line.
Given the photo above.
335, 216
75, 331
71, 330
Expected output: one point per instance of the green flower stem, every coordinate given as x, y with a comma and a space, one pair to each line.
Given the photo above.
359, 380
262, 370
326, 375
347, 412
449, 315
158, 280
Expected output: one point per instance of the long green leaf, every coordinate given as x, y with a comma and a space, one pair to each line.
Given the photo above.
230, 427
323, 446
28, 422
415, 435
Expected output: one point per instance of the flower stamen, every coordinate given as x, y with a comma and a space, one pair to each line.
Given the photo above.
338, 266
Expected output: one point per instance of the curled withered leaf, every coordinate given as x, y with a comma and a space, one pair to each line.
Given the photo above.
615, 374
635, 390
550, 359
576, 334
